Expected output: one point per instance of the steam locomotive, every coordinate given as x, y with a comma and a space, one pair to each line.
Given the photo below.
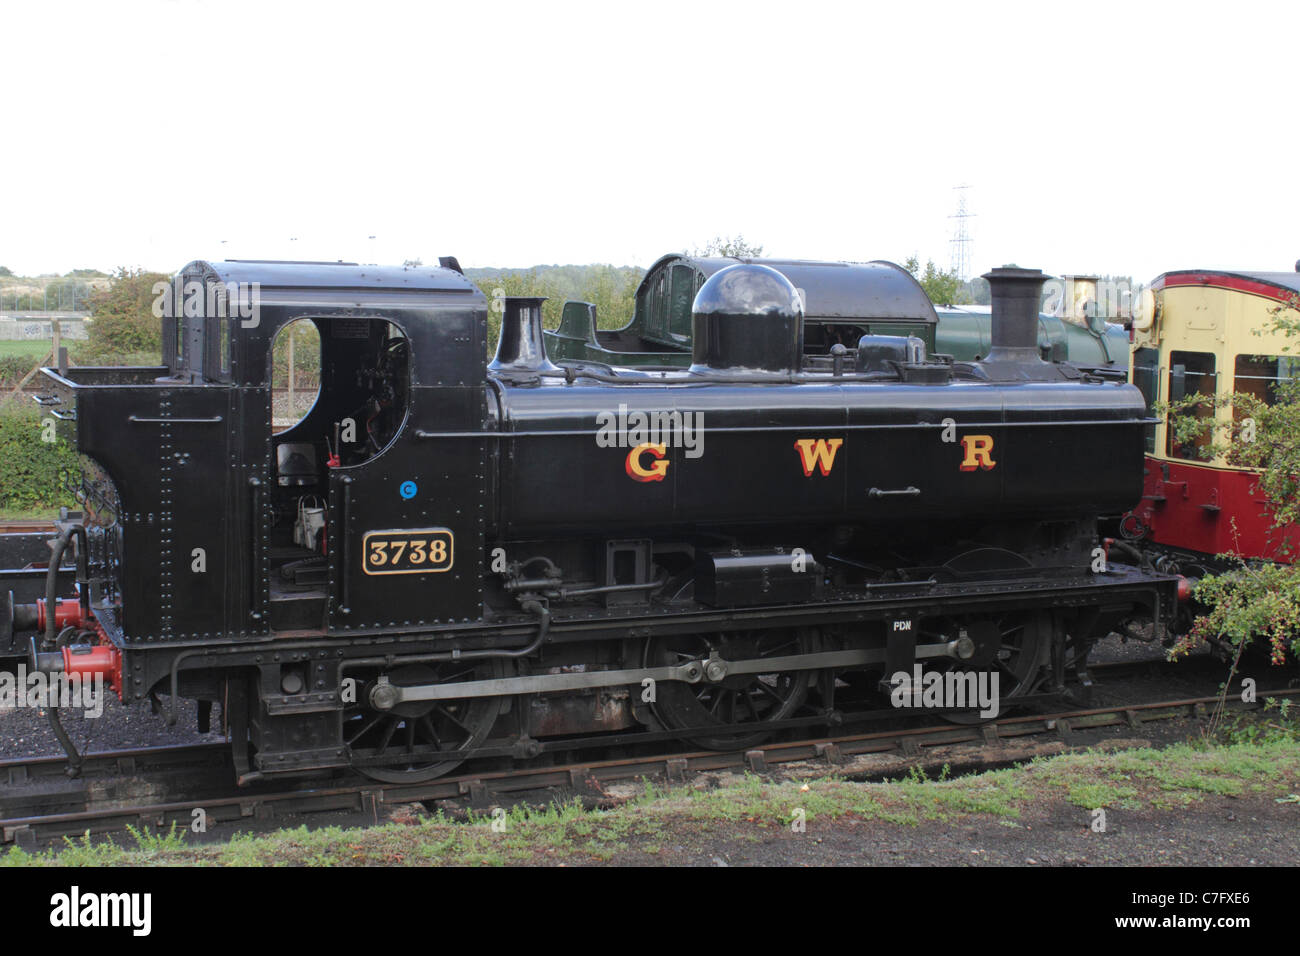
512, 554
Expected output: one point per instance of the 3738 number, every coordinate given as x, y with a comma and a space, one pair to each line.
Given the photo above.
421, 551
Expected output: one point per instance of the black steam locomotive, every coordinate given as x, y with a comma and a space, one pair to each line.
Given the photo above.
513, 553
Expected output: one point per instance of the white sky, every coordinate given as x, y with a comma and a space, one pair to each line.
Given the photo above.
1109, 138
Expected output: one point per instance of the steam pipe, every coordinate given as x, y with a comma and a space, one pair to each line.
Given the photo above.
51, 628
531, 606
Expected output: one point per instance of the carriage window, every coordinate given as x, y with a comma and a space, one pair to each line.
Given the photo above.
1191, 373
684, 288
656, 324
1146, 376
1261, 375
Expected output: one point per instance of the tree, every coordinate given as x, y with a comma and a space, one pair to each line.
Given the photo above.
728, 246
1256, 599
6, 272
122, 320
611, 289
497, 286
943, 288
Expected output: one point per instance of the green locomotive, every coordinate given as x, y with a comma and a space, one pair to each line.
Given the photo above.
843, 301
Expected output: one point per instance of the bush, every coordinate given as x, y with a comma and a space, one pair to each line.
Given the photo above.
123, 319
612, 289
31, 469
1258, 601
13, 368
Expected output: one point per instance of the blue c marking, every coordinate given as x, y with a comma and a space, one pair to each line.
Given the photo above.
408, 490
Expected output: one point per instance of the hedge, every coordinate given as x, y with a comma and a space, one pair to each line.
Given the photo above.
31, 469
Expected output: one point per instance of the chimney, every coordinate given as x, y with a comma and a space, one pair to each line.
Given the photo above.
1014, 357
520, 350
1017, 294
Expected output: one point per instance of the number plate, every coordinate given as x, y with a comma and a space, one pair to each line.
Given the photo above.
419, 551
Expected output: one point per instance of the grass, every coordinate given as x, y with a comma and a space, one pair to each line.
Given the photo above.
28, 514
639, 830
33, 350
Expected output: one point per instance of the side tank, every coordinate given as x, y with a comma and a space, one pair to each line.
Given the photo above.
744, 437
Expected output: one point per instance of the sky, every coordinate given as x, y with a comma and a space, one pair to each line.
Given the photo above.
1123, 139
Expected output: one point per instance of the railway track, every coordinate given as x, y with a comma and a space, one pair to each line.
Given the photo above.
16, 526
161, 787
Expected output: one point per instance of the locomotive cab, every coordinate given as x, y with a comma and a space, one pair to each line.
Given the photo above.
357, 411
401, 352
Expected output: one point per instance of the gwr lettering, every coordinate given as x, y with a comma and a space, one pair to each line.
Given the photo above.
817, 453
636, 467
979, 452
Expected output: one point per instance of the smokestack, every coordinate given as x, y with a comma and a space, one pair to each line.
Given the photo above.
520, 350
1014, 357
1016, 295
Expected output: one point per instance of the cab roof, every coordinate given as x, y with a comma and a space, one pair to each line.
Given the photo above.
279, 274
1274, 285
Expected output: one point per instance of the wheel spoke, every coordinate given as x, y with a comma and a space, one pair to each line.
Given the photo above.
449, 726
453, 718
717, 699
366, 729
432, 731
388, 734
768, 696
